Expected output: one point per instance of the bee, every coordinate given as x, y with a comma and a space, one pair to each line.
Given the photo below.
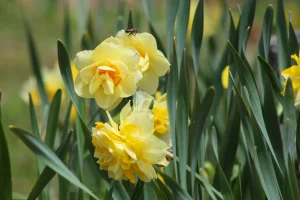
131, 31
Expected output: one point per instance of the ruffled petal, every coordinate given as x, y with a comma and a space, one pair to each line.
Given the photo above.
83, 59
149, 83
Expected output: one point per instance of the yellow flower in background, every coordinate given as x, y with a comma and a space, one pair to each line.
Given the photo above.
130, 148
52, 81
159, 110
153, 64
109, 73
293, 73
225, 77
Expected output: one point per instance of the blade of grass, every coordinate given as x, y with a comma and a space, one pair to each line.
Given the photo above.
130, 21
293, 43
108, 194
138, 190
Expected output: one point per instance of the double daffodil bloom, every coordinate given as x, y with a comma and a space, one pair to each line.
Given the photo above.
130, 148
159, 110
293, 73
153, 64
108, 73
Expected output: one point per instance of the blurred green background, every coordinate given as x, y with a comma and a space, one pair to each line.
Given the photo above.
46, 18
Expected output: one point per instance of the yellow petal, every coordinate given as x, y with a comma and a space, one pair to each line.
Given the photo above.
87, 74
149, 83
95, 84
108, 85
293, 71
125, 112
105, 101
81, 88
225, 76
159, 64
83, 59
128, 86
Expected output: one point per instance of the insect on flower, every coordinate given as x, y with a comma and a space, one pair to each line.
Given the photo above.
131, 31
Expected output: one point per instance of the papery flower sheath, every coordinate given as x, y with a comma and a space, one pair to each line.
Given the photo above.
153, 64
129, 149
108, 73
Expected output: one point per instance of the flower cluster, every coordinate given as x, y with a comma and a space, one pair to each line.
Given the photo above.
114, 70
118, 66
293, 73
130, 148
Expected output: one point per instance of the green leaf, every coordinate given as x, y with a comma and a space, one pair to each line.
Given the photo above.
159, 192
197, 34
108, 194
230, 140
36, 66
221, 181
130, 21
33, 119
172, 8
264, 42
290, 123
172, 89
247, 81
47, 174
53, 118
282, 38
291, 181
181, 28
86, 42
50, 159
147, 6
275, 82
255, 144
200, 115
138, 190
182, 130
293, 43
5, 170
174, 186
246, 21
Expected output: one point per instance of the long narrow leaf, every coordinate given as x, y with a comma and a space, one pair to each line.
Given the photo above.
49, 157
172, 8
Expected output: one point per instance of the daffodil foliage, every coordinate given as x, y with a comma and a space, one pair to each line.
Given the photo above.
216, 116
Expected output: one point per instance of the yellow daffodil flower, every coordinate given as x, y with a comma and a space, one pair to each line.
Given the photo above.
293, 73
225, 77
108, 73
159, 111
52, 81
130, 148
153, 64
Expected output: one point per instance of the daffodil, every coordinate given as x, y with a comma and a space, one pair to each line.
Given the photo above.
52, 81
129, 149
159, 110
293, 73
153, 64
225, 76
108, 73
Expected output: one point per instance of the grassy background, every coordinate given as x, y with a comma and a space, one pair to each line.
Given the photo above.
46, 20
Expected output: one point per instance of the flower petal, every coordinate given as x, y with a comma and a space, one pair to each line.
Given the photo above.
149, 83
128, 86
81, 88
159, 64
83, 59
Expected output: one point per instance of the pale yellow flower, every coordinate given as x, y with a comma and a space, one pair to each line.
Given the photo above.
225, 77
52, 82
293, 73
130, 148
153, 64
159, 110
109, 73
